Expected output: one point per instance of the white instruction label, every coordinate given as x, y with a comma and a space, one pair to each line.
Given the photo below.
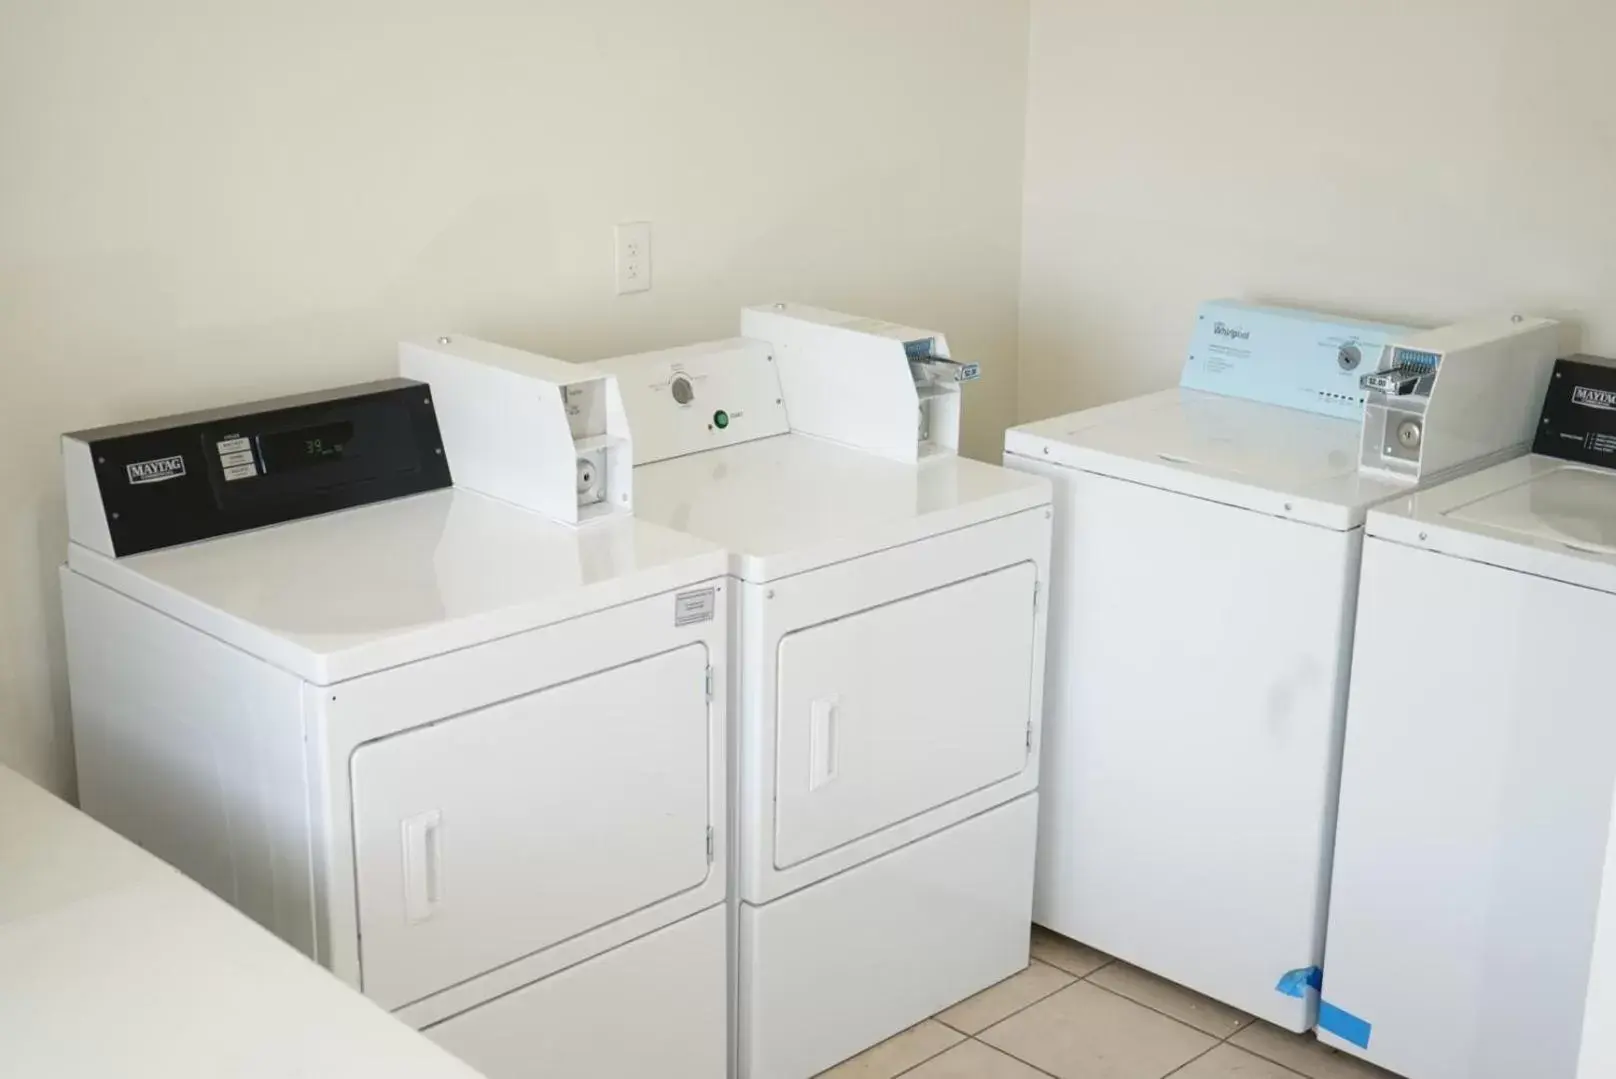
697, 606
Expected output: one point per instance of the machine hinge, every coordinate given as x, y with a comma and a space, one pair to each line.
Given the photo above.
708, 685
1036, 587
709, 844
1029, 736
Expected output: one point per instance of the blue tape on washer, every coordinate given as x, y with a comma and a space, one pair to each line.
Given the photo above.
1343, 1024
1296, 983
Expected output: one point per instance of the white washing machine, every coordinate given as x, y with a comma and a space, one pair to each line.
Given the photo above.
889, 659
1598, 1056
1204, 580
1480, 759
470, 759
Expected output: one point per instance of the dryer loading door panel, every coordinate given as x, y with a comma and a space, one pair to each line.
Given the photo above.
889, 712
497, 833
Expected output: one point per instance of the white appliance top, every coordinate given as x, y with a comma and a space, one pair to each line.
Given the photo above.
335, 597
112, 963
1539, 515
1263, 457
791, 503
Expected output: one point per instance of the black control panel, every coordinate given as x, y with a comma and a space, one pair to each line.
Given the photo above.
1579, 412
203, 474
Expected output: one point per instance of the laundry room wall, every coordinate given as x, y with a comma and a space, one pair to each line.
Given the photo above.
208, 203
1411, 159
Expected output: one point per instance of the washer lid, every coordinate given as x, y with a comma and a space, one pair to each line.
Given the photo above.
334, 597
1537, 514
792, 503
1249, 454
1574, 506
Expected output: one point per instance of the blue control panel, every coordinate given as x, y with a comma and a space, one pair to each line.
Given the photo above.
1286, 356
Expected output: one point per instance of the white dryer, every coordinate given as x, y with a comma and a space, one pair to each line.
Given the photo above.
1204, 581
889, 659
1480, 760
470, 759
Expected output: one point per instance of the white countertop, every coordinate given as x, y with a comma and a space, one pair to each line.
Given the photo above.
113, 964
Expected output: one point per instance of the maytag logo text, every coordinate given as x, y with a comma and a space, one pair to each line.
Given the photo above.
1592, 398
156, 471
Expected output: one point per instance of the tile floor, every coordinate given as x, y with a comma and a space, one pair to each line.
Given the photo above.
1076, 1013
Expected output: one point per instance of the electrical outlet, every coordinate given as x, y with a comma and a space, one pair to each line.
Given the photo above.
633, 256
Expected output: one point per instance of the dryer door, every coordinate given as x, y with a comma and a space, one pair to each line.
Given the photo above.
889, 712
495, 834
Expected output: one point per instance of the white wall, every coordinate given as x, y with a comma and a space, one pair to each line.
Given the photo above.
1415, 159
202, 203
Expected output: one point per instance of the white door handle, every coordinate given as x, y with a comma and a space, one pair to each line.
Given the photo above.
821, 742
423, 865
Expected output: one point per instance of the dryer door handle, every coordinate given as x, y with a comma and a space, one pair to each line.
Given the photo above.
822, 719
423, 865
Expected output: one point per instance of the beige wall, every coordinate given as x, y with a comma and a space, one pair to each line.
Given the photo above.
201, 205
1423, 159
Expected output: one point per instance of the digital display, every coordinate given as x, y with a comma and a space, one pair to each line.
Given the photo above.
304, 446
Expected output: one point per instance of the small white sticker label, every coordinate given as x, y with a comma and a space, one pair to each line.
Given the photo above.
240, 472
697, 606
244, 457
157, 470
233, 445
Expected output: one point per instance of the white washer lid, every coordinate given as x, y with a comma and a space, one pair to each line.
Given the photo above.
793, 503
1256, 456
1535, 514
334, 597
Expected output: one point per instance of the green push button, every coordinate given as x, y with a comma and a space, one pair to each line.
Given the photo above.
720, 419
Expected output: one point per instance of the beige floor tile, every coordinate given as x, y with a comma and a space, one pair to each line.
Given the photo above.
973, 1060
1227, 1062
1303, 1053
1076, 959
898, 1053
1185, 1005
1006, 998
1085, 1032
